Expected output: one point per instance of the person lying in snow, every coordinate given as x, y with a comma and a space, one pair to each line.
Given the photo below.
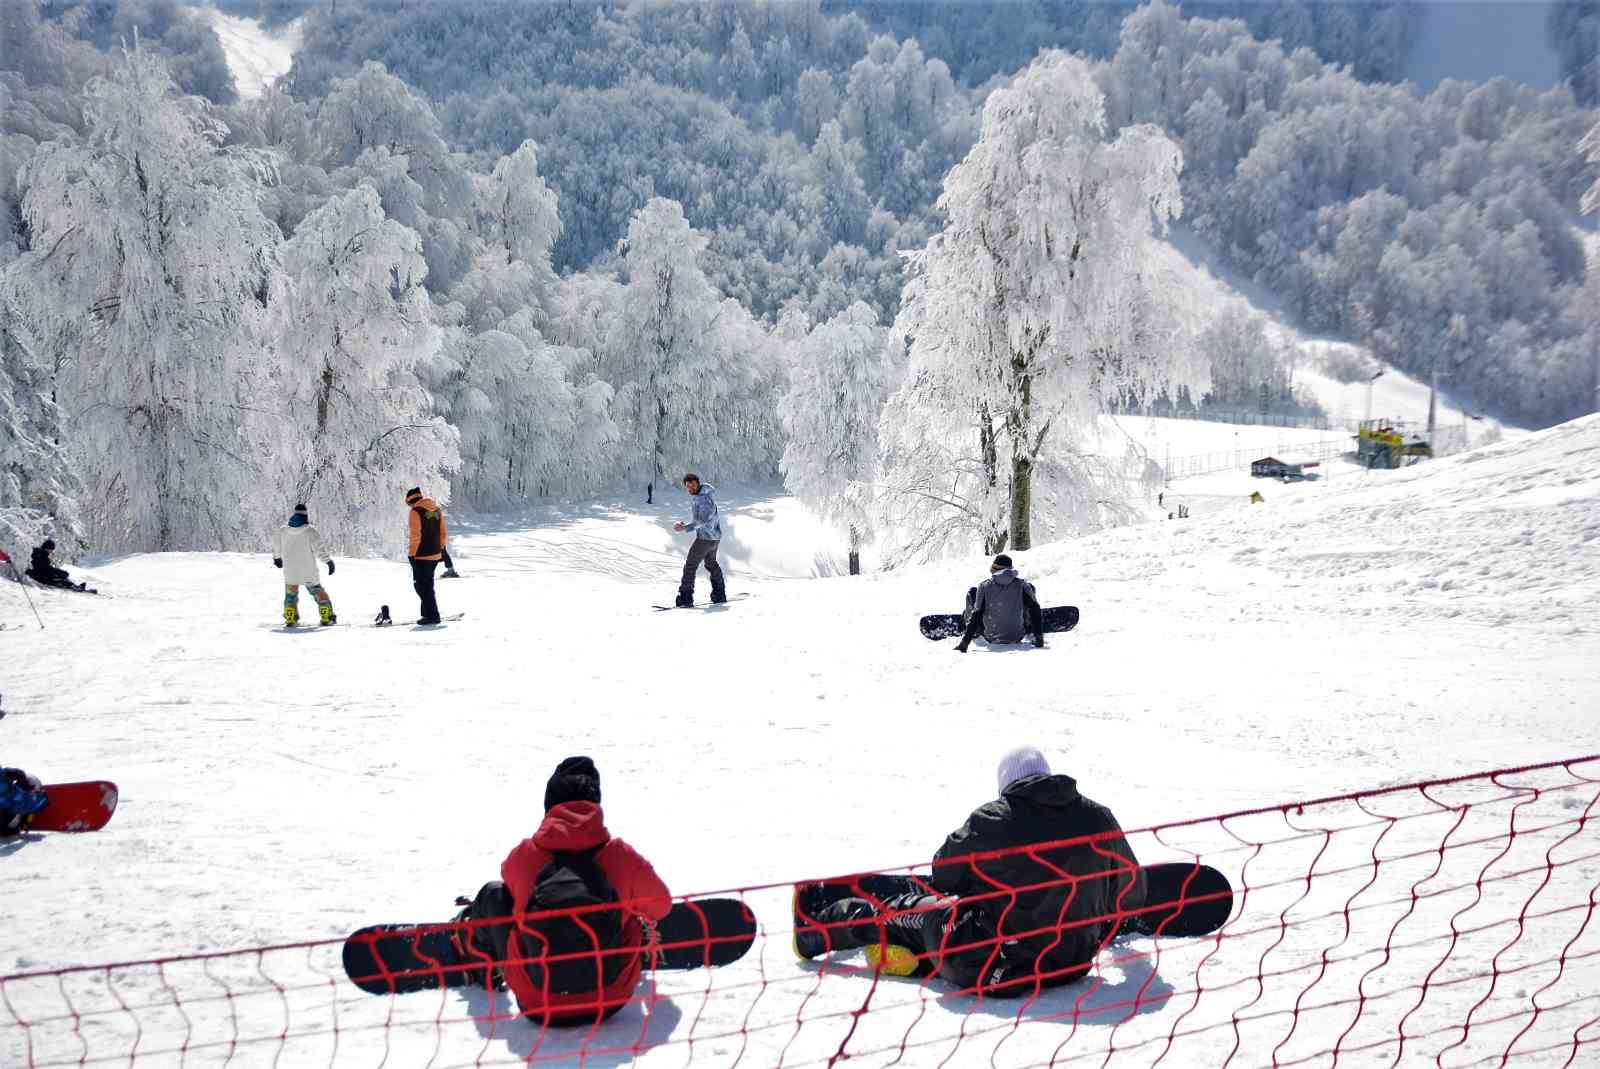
999, 926
20, 798
42, 571
574, 969
1004, 608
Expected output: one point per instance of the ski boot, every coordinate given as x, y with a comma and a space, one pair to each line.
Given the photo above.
291, 615
382, 619
684, 602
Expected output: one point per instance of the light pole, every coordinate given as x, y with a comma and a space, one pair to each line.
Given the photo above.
1370, 381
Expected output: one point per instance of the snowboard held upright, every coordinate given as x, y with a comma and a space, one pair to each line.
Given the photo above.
401, 958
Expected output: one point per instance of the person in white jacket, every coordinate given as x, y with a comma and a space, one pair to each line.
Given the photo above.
296, 549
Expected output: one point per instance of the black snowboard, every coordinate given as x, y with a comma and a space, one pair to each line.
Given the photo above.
1182, 899
1057, 619
401, 958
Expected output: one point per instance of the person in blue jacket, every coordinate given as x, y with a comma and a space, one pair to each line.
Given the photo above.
707, 528
20, 798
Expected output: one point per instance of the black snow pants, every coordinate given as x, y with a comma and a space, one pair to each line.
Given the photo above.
704, 549
422, 583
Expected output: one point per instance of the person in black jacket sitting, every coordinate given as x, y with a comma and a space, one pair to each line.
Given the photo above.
43, 572
1033, 916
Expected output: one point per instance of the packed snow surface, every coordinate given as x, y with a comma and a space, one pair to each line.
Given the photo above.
257, 57
1377, 628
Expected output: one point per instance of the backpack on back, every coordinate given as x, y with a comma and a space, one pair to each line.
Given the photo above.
572, 953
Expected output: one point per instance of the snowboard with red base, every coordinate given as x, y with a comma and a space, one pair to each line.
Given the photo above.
76, 806
401, 958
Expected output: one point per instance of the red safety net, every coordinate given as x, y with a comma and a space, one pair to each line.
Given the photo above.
1448, 923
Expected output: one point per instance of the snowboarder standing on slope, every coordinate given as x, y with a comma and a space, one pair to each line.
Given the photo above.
707, 528
428, 535
21, 796
569, 968
42, 571
1029, 918
1004, 608
296, 549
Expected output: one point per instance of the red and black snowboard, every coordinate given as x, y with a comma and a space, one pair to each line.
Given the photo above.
76, 806
939, 626
401, 958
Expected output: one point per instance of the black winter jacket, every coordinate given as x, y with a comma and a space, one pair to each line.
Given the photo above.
42, 570
1032, 900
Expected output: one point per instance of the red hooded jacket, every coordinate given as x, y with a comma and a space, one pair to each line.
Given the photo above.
581, 826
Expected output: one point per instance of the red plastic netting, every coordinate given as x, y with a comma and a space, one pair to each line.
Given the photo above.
1448, 923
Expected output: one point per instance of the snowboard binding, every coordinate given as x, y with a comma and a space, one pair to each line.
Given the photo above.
382, 619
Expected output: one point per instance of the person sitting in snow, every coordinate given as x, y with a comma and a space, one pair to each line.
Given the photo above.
21, 796
707, 528
44, 572
1004, 608
1007, 925
572, 968
296, 549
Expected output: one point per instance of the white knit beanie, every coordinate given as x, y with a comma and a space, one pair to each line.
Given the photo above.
1023, 761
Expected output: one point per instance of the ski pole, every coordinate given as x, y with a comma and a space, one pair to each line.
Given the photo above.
13, 565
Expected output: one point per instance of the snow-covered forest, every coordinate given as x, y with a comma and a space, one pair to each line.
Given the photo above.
513, 250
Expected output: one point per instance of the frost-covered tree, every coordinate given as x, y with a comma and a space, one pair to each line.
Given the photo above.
841, 378
355, 322
149, 274
38, 487
1036, 303
670, 309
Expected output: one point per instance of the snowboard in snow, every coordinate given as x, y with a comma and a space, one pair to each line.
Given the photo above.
704, 606
76, 806
1188, 898
1057, 619
401, 958
385, 620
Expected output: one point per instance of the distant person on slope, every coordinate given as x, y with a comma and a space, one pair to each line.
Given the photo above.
44, 572
577, 968
1003, 608
428, 536
1007, 925
21, 796
707, 528
296, 549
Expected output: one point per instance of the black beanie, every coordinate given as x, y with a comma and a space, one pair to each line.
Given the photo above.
1002, 561
574, 780
301, 509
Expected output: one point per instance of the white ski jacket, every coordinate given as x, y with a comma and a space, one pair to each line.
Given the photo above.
300, 548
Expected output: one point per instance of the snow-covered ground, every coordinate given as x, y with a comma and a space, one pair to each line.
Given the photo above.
256, 56
276, 787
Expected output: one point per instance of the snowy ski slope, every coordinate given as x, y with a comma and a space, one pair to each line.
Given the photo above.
1376, 629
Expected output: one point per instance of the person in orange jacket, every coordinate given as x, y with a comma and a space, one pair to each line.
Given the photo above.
428, 537
577, 967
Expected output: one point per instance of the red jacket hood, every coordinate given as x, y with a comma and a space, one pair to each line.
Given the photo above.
572, 826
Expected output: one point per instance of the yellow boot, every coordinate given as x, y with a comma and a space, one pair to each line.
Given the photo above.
893, 959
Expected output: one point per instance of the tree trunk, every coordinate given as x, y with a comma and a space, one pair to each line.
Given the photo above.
855, 550
1021, 502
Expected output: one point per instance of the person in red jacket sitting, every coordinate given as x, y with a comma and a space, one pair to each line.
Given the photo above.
580, 965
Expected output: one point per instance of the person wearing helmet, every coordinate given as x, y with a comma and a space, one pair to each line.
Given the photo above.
296, 548
1002, 914
1004, 608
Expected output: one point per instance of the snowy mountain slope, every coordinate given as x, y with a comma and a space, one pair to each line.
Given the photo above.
284, 786
256, 57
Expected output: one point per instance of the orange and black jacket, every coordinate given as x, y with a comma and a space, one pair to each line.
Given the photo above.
428, 533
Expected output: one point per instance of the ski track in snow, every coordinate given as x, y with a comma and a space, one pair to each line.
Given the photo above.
1375, 628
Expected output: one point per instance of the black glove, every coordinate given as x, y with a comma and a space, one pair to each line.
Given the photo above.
961, 647
277, 562
330, 567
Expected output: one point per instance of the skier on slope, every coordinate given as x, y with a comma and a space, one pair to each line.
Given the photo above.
1029, 918
1003, 608
21, 796
576, 968
296, 548
427, 535
44, 572
707, 528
